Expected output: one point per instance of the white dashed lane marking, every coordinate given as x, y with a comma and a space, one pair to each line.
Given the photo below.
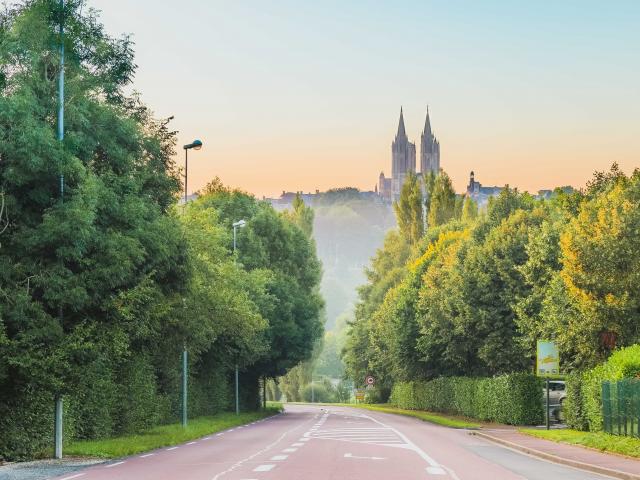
147, 455
113, 465
263, 468
279, 457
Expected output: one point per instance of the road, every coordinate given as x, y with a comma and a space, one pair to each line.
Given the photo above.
334, 443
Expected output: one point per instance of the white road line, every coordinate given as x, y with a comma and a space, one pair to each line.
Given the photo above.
147, 455
290, 450
436, 471
206, 438
413, 446
279, 457
192, 443
297, 444
73, 476
260, 452
114, 464
172, 448
264, 468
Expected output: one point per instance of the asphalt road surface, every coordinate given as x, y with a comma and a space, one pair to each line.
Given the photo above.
334, 443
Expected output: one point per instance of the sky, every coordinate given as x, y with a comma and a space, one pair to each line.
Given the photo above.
305, 95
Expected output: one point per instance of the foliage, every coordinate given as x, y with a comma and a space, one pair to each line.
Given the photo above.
514, 399
573, 405
442, 206
409, 209
103, 288
474, 294
585, 390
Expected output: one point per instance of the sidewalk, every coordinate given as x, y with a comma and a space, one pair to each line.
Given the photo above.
574, 456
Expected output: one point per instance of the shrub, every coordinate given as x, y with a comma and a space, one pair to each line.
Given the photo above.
623, 363
514, 398
321, 393
573, 406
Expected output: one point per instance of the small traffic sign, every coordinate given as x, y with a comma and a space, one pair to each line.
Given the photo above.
370, 380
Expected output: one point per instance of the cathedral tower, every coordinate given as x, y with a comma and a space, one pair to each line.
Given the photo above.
429, 150
403, 159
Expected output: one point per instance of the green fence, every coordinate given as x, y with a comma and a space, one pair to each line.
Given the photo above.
621, 407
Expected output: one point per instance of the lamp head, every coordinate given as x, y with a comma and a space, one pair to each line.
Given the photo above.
240, 223
196, 145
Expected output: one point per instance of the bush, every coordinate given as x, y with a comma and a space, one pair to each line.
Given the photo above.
321, 393
514, 399
573, 406
623, 363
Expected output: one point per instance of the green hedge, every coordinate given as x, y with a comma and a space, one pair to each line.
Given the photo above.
514, 399
583, 408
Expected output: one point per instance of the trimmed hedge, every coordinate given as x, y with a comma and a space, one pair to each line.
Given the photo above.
515, 399
583, 407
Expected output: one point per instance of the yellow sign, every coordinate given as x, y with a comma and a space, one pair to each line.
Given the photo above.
360, 395
547, 358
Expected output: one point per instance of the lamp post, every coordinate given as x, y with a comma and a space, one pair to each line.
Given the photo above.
196, 145
236, 225
184, 386
57, 429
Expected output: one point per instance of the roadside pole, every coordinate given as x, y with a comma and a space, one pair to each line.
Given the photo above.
57, 428
237, 398
548, 422
184, 387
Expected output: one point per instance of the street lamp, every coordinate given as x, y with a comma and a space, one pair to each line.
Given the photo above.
236, 225
196, 145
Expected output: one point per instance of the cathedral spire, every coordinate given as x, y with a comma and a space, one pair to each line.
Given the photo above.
401, 131
427, 124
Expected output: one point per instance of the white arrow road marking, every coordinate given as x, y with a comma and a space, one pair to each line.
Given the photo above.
348, 455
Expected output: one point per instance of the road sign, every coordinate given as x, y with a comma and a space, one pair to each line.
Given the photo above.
360, 395
370, 380
547, 358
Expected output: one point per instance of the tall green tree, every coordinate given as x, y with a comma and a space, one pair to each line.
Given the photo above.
443, 201
409, 209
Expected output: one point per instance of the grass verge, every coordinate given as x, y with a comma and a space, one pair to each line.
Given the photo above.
597, 440
165, 435
437, 418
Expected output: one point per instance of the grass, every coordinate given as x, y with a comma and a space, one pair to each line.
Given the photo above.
437, 418
604, 442
165, 435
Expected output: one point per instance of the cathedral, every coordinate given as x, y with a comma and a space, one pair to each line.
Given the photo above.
403, 159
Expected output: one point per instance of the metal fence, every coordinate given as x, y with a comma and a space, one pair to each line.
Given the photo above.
621, 407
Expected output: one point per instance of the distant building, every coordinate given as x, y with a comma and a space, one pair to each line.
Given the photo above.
384, 188
481, 194
429, 149
285, 201
403, 159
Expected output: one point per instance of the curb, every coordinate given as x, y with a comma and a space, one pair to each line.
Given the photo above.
555, 459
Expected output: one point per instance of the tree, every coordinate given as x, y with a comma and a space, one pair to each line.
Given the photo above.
409, 209
443, 201
600, 268
469, 210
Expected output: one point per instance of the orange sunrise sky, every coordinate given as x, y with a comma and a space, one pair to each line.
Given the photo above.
306, 95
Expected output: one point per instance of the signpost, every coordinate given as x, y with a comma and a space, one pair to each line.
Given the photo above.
370, 380
547, 364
